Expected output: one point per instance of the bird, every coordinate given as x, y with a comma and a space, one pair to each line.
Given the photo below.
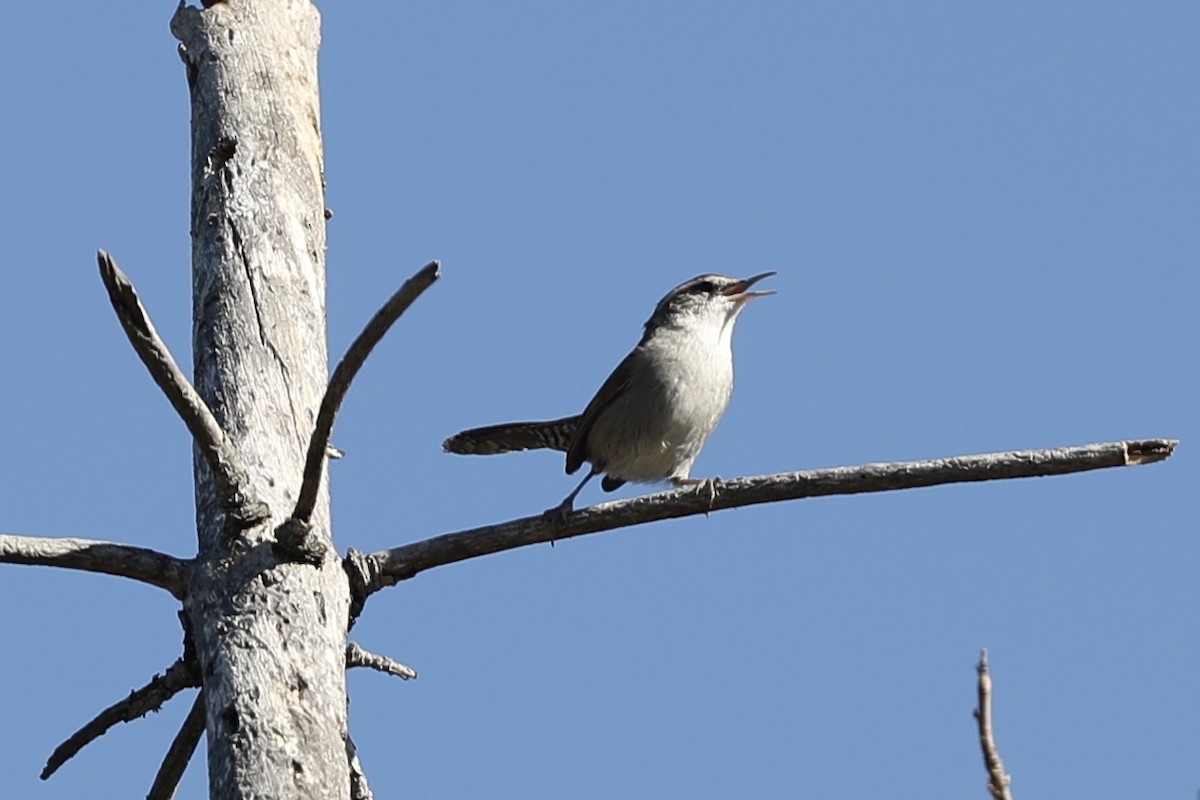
650, 419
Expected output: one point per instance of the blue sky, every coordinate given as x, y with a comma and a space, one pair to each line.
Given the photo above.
984, 221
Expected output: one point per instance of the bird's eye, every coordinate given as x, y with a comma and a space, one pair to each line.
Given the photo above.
705, 287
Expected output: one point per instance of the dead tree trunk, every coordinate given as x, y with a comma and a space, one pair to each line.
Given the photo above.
270, 636
267, 601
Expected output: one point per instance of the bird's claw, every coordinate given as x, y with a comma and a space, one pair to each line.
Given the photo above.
702, 485
557, 516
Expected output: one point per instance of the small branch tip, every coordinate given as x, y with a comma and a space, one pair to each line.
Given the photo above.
1149, 450
138, 703
228, 474
343, 375
999, 781
357, 656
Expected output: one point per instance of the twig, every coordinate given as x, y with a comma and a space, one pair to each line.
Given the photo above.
138, 563
356, 656
230, 478
387, 567
179, 753
359, 788
999, 781
339, 384
160, 689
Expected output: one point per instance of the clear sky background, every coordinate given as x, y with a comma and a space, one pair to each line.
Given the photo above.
984, 217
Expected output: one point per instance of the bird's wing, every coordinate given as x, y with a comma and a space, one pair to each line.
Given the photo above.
612, 388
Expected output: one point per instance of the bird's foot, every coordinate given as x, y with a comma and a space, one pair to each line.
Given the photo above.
557, 517
703, 485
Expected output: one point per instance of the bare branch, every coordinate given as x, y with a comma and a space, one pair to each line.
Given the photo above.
138, 563
160, 689
179, 753
387, 567
232, 483
999, 781
339, 384
356, 656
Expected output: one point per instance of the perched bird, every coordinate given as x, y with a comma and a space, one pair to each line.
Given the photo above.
652, 416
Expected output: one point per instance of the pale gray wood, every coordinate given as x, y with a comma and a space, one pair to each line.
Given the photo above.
360, 789
358, 656
270, 635
999, 781
211, 441
370, 573
90, 555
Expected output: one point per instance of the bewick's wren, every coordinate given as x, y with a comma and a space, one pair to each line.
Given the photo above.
652, 416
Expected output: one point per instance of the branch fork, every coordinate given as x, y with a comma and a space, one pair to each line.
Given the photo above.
243, 509
296, 541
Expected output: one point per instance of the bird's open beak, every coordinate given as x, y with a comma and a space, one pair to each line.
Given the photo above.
739, 291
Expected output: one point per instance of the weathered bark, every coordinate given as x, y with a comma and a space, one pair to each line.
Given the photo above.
270, 635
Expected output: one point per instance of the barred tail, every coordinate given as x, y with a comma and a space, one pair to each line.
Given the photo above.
513, 436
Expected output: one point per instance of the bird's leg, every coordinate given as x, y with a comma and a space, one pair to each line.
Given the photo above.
560, 511
568, 503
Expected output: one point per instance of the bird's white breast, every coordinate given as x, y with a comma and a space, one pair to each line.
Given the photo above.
657, 428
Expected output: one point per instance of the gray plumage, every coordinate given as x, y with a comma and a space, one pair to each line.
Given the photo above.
650, 419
